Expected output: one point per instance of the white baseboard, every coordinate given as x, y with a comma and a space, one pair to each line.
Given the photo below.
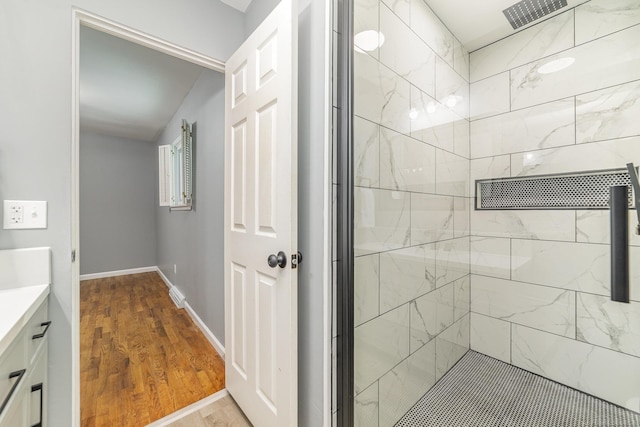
117, 273
197, 320
181, 413
205, 330
164, 278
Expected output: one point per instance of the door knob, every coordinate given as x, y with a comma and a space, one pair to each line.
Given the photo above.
279, 260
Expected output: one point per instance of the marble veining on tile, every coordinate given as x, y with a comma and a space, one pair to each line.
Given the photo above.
406, 163
491, 336
431, 218
365, 17
546, 38
543, 126
366, 288
366, 152
490, 96
452, 90
405, 53
452, 260
451, 345
603, 373
430, 315
461, 133
539, 307
405, 384
380, 344
461, 59
609, 324
430, 29
406, 274
381, 95
430, 121
461, 216
381, 220
605, 62
524, 224
608, 113
584, 267
490, 256
597, 18
402, 8
601, 155
592, 226
366, 407
461, 297
452, 174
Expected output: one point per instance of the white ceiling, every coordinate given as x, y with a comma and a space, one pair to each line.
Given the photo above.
128, 90
241, 5
477, 23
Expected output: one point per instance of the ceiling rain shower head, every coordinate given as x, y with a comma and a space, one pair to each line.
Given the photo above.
527, 11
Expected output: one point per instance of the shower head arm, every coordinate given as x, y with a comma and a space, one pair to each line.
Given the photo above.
636, 191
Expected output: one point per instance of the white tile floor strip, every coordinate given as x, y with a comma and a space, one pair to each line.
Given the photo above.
481, 391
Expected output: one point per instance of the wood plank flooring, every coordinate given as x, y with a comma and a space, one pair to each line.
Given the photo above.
140, 357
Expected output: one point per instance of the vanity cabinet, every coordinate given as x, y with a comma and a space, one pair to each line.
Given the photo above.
23, 373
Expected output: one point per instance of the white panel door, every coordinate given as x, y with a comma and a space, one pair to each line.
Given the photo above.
261, 220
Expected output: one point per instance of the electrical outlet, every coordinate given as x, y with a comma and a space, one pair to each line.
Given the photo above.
16, 214
24, 214
175, 268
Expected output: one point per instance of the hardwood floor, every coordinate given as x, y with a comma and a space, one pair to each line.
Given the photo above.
140, 357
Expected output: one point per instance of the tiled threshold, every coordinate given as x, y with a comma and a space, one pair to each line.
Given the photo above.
481, 391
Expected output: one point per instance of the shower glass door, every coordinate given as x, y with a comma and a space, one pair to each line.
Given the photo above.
438, 278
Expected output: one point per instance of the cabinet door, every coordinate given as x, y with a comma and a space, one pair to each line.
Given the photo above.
15, 414
37, 387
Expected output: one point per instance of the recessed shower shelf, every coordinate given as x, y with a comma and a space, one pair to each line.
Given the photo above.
579, 190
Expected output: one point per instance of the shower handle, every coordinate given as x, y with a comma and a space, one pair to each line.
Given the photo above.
636, 192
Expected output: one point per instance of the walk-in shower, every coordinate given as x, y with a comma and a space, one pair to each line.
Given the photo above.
473, 214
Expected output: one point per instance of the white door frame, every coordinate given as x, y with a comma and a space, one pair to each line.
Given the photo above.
82, 17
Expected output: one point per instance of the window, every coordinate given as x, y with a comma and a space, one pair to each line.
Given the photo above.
175, 170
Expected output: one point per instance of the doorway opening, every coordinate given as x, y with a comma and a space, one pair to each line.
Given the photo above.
138, 355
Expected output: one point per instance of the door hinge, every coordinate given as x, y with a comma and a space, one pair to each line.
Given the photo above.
296, 259
73, 255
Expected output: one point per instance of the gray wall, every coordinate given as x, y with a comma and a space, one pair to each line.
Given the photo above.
193, 240
35, 144
255, 14
118, 183
312, 112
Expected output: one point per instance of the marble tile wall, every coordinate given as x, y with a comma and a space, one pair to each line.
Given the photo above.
412, 208
540, 278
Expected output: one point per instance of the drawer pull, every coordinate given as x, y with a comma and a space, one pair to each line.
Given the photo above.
43, 333
12, 375
38, 387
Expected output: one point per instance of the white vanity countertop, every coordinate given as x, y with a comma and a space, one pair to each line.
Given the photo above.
16, 307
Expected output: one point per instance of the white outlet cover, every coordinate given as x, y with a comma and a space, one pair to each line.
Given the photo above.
34, 214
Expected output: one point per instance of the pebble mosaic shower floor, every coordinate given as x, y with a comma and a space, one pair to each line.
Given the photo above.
481, 391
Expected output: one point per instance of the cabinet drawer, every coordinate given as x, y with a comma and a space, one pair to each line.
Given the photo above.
12, 365
37, 391
15, 414
37, 330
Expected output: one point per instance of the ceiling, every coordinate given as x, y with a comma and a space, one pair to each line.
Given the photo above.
241, 5
477, 23
128, 90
